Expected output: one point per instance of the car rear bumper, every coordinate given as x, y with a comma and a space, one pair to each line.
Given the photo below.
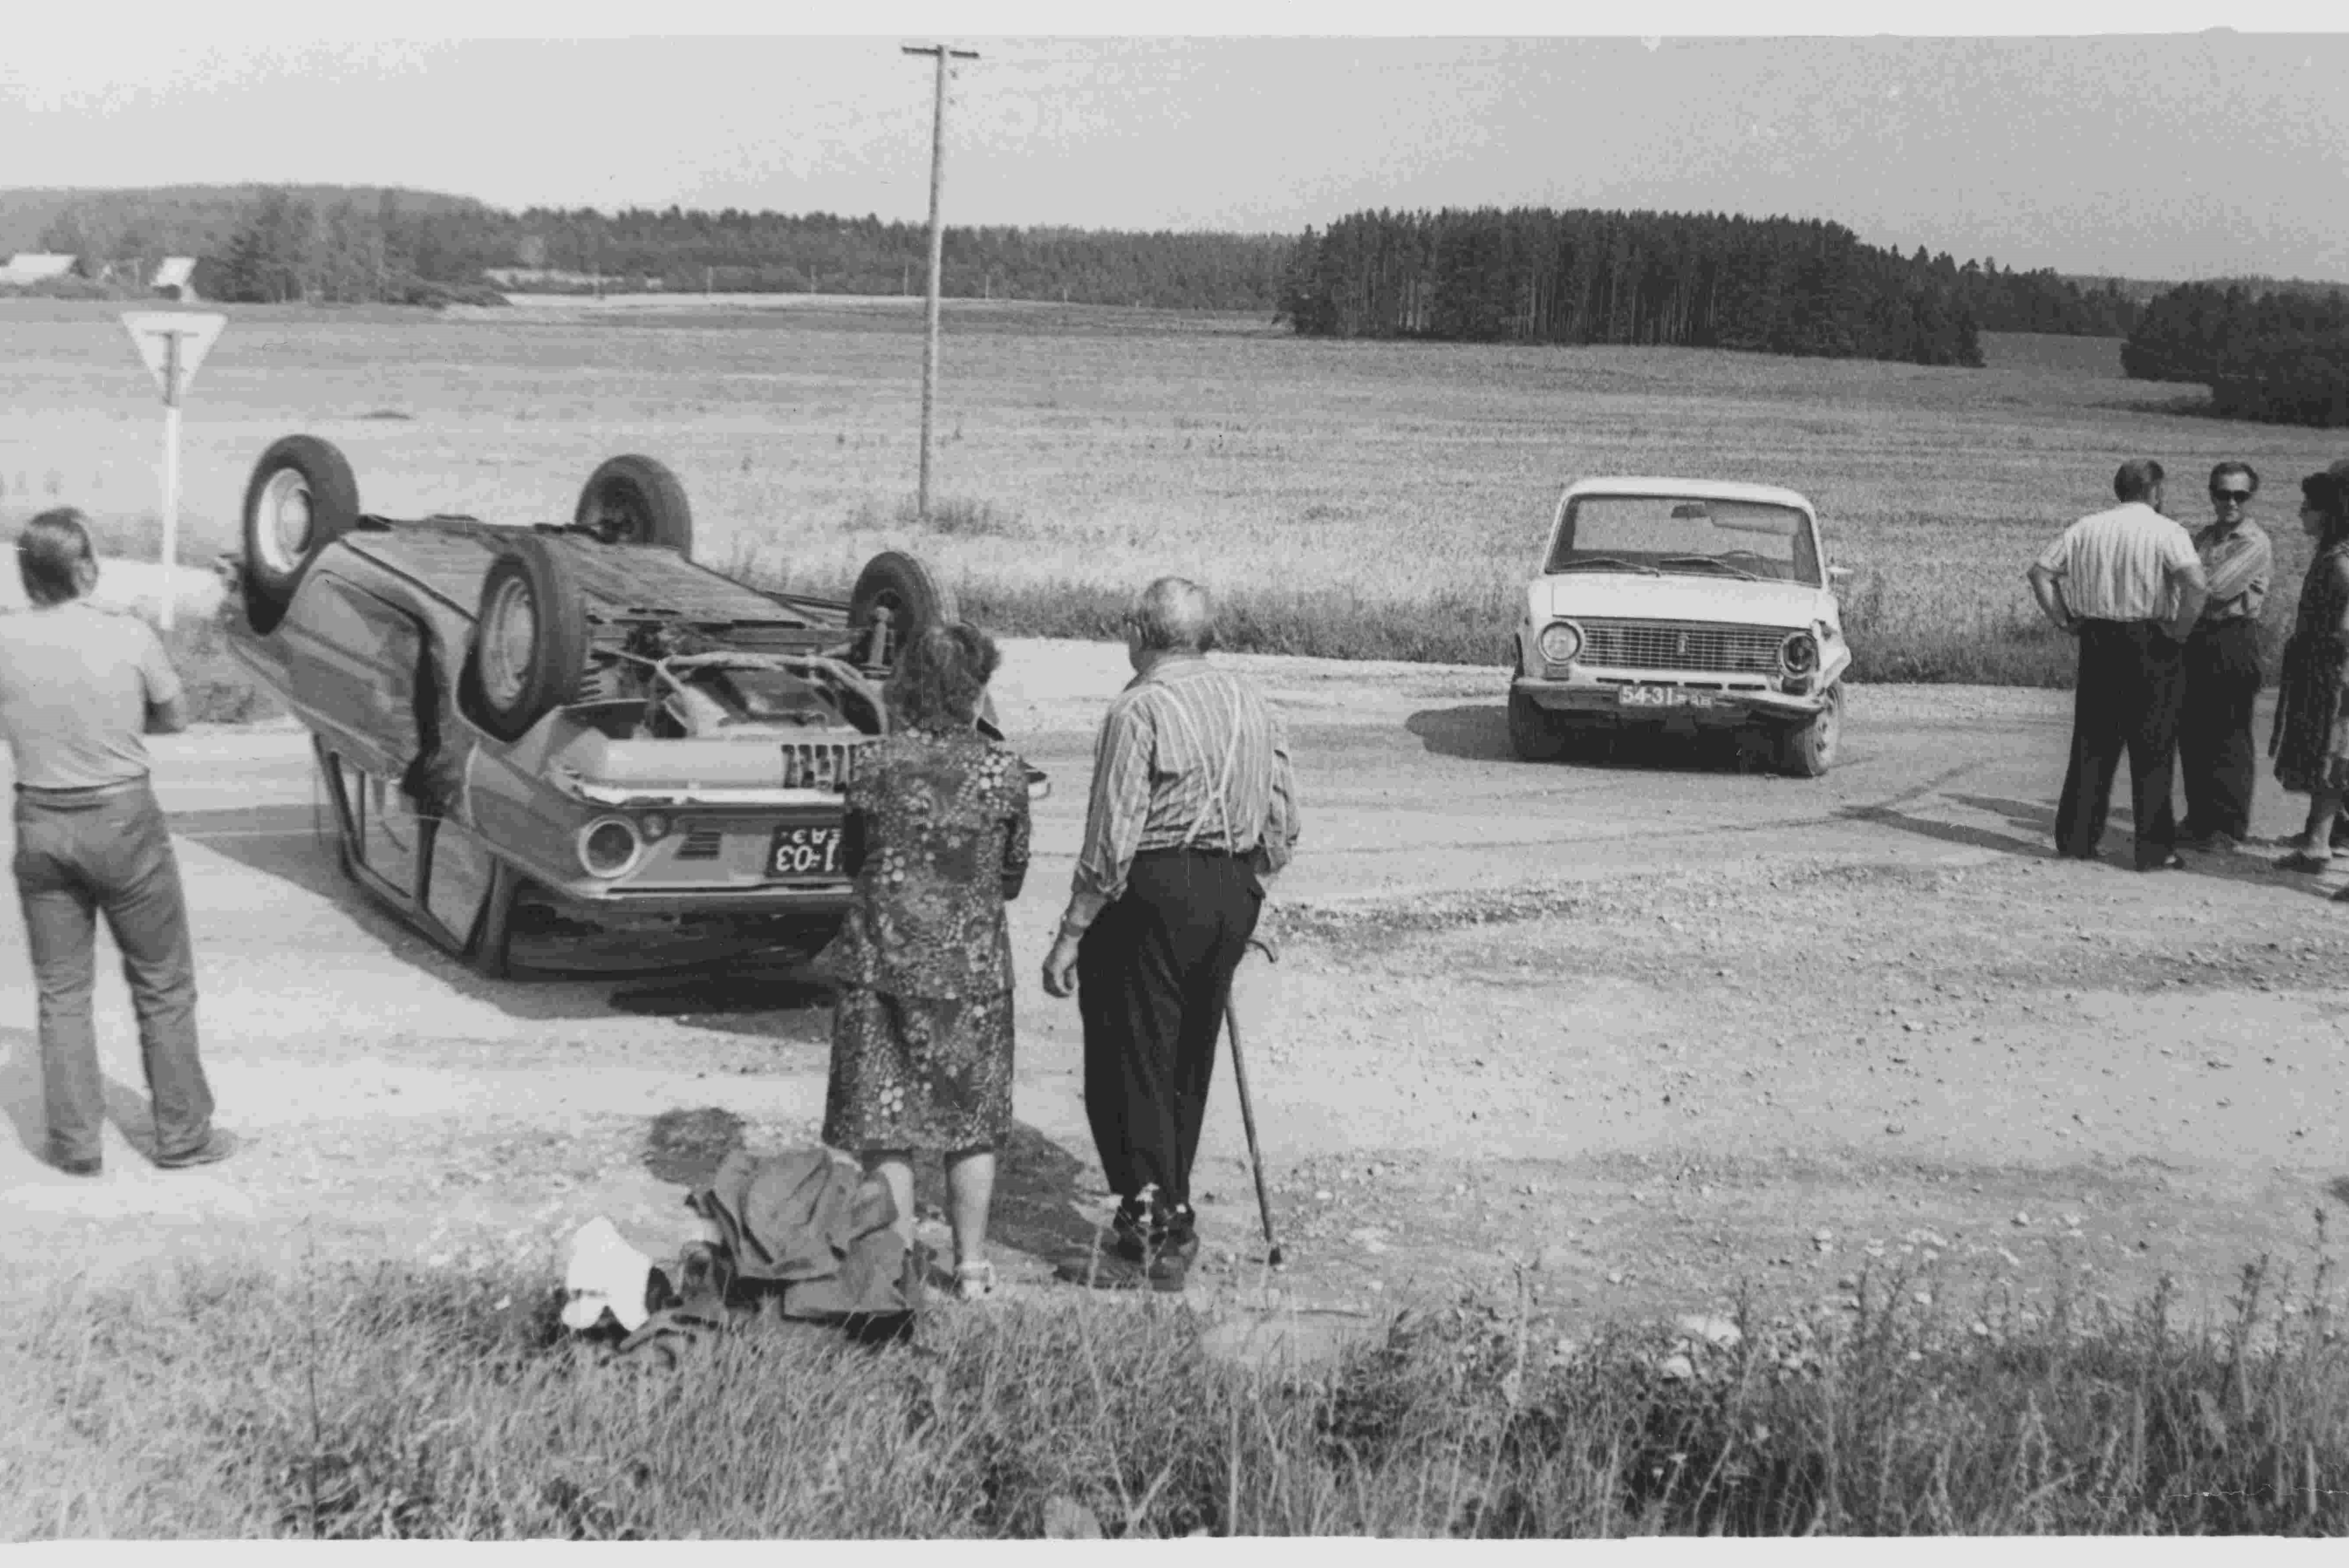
814, 901
1634, 699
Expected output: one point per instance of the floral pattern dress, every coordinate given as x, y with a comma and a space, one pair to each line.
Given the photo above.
921, 1029
2310, 742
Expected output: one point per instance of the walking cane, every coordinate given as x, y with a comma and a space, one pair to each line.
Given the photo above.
1247, 1109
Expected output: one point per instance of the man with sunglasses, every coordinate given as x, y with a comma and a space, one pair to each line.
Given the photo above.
2222, 665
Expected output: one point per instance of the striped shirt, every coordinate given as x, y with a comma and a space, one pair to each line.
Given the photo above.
1170, 739
2120, 566
2239, 566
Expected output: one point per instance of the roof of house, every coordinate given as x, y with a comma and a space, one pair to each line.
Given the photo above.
33, 266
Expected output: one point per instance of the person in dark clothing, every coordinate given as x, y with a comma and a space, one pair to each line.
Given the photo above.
1193, 804
2215, 754
937, 838
2308, 741
2128, 584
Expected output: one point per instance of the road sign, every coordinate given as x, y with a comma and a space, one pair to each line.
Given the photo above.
174, 343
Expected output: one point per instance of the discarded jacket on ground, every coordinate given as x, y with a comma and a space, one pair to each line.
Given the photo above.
811, 1225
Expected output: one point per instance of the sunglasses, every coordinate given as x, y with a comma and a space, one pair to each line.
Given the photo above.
2240, 498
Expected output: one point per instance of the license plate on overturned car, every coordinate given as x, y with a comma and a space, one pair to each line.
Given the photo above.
1661, 696
804, 852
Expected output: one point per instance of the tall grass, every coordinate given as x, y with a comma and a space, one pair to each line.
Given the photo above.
216, 1402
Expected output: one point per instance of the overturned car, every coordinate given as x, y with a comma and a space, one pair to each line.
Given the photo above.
573, 729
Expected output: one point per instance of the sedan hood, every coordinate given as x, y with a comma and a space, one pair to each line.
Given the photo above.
1633, 595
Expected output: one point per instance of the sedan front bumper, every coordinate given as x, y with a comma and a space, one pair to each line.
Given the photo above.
1629, 696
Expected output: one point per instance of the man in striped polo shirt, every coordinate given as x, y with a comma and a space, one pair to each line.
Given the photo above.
1193, 804
2128, 584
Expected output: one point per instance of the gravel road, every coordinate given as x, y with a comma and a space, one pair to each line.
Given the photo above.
1626, 1037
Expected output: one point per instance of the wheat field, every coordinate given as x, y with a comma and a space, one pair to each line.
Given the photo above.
1373, 499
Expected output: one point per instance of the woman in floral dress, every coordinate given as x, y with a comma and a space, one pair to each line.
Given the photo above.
921, 1032
2309, 742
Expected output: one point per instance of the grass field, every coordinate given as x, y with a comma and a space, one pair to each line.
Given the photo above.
1362, 498
206, 1402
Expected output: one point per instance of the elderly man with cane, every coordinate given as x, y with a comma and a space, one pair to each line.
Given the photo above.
1193, 804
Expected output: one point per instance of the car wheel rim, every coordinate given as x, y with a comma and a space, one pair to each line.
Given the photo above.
507, 641
284, 534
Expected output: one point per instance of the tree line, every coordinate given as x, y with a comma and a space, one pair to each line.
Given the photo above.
1691, 280
2278, 355
337, 245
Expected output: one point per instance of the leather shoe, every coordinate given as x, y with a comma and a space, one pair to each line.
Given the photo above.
217, 1146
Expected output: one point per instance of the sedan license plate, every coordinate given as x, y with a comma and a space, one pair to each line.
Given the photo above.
1663, 696
804, 853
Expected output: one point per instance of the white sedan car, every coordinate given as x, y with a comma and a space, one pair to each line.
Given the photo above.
1681, 603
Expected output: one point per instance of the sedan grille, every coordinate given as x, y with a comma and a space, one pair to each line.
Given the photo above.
820, 764
701, 844
1681, 645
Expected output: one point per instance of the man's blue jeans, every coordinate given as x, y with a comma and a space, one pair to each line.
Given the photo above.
79, 853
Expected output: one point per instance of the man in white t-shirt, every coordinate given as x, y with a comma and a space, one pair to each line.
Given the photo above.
2128, 584
79, 686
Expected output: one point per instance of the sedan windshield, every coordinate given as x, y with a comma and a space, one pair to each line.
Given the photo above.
1683, 534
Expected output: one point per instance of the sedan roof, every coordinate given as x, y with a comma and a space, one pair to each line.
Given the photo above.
1695, 489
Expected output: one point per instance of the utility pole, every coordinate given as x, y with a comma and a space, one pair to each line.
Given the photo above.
941, 54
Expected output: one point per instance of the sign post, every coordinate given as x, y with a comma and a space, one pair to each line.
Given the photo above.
173, 343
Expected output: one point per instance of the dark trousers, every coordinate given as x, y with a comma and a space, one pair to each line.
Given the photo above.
2126, 701
1154, 973
76, 856
2215, 754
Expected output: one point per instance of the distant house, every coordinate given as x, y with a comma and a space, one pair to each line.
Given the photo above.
27, 267
176, 279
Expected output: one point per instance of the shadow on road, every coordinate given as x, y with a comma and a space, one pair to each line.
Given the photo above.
2033, 832
1480, 733
776, 1002
727, 986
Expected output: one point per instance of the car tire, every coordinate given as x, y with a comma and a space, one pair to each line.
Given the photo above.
1808, 750
632, 499
905, 587
1535, 732
530, 640
492, 947
301, 498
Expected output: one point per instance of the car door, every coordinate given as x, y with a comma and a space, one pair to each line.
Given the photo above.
353, 657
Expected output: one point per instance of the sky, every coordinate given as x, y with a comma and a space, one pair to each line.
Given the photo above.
2181, 152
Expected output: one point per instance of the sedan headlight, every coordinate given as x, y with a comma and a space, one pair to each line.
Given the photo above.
609, 847
1559, 643
1799, 654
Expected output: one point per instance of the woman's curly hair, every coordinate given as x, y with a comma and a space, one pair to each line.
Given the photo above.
940, 677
